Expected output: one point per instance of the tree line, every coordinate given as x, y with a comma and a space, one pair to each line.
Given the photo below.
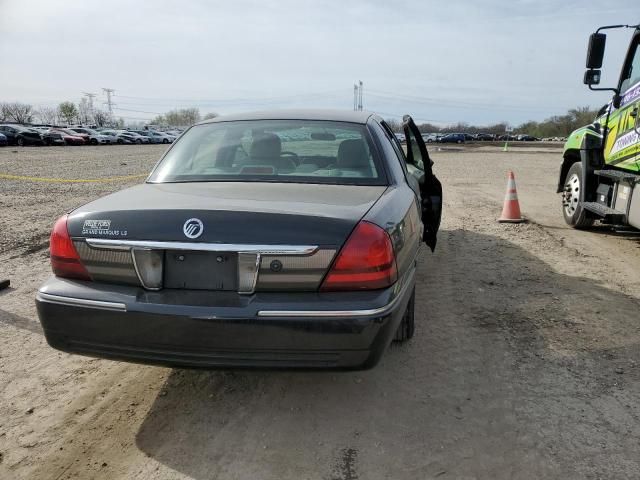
65, 113
181, 117
555, 126
70, 113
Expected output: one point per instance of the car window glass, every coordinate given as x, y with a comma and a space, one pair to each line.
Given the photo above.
633, 73
291, 150
416, 154
204, 151
396, 145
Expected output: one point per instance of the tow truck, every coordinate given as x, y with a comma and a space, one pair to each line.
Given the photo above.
600, 172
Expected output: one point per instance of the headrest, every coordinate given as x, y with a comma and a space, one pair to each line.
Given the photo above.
265, 145
352, 154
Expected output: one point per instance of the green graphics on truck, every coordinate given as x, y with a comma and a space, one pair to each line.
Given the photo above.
622, 146
600, 172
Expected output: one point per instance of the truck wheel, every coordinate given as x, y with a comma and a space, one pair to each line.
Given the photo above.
573, 213
407, 325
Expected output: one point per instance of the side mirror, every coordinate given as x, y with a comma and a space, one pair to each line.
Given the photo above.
595, 52
592, 77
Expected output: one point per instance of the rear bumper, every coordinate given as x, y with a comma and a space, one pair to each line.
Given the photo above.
347, 330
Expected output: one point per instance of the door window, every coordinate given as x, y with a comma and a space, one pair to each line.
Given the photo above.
631, 75
395, 145
416, 151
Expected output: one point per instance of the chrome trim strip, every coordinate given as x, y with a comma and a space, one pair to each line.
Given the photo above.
372, 312
80, 302
207, 247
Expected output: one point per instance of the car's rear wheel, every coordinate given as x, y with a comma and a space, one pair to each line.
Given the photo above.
120, 141
138, 141
165, 140
94, 141
20, 141
406, 328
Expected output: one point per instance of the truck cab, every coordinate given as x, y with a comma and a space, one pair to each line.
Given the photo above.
600, 173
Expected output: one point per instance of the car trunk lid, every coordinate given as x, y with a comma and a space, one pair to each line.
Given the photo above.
220, 235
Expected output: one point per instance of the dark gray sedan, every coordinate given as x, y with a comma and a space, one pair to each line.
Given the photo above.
275, 239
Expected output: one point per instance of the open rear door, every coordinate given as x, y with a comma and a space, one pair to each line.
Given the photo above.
419, 166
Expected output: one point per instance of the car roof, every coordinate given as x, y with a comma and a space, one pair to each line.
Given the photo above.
302, 114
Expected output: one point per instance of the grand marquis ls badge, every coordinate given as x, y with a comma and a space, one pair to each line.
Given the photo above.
193, 228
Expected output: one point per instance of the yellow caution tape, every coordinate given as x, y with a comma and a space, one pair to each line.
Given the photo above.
6, 176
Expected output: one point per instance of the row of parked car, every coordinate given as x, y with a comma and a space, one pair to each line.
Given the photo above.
14, 134
477, 137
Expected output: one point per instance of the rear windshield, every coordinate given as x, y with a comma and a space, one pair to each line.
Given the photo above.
295, 151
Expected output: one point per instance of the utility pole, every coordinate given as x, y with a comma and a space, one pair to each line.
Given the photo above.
90, 97
355, 97
108, 92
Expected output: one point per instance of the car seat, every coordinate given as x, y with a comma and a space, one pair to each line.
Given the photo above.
266, 149
353, 155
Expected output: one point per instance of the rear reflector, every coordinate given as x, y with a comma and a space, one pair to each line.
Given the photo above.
65, 261
366, 261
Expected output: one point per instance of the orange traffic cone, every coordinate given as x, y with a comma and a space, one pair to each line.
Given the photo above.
511, 208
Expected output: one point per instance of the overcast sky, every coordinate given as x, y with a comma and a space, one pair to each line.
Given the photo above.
442, 61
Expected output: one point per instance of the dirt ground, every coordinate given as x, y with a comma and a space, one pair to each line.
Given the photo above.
524, 364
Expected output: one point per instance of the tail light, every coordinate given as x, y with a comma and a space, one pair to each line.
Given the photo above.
65, 261
366, 261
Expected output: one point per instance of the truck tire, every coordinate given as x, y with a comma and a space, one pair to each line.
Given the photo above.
572, 211
407, 327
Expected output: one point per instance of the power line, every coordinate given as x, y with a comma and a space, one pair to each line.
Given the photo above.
450, 103
301, 96
138, 111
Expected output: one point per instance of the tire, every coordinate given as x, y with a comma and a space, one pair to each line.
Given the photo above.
138, 141
120, 141
165, 140
406, 329
20, 142
93, 141
459, 142
574, 215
